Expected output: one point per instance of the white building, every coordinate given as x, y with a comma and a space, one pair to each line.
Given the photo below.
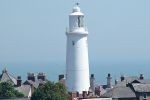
77, 62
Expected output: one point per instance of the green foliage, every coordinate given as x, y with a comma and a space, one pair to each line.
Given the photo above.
7, 90
51, 91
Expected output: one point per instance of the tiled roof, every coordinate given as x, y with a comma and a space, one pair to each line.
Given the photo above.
34, 83
127, 80
30, 82
143, 81
41, 81
120, 92
138, 87
5, 77
25, 89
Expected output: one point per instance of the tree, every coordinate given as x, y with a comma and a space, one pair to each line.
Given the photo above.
51, 91
7, 90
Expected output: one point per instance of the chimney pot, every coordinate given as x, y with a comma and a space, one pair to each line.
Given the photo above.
141, 76
116, 81
84, 94
122, 78
41, 76
92, 75
31, 76
108, 74
61, 77
19, 81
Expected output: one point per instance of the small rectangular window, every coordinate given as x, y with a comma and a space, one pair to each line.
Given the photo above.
80, 21
73, 43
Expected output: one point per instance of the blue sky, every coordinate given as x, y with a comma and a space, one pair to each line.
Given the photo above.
33, 31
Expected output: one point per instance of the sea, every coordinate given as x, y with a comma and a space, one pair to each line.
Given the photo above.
100, 70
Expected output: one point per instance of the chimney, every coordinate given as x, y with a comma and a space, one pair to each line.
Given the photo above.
90, 94
78, 94
141, 76
98, 90
84, 94
4, 70
61, 77
31, 76
122, 78
41, 76
73, 95
92, 82
19, 81
109, 81
116, 81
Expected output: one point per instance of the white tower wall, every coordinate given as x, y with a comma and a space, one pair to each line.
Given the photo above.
77, 63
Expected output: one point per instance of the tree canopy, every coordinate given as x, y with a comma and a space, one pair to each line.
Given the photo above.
51, 91
7, 90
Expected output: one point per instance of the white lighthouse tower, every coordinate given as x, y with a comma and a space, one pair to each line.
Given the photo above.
77, 62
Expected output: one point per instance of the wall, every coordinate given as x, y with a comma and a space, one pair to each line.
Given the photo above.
97, 99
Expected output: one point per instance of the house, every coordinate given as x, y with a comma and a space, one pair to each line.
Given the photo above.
142, 91
120, 93
86, 96
25, 89
7, 77
141, 87
35, 83
130, 88
17, 83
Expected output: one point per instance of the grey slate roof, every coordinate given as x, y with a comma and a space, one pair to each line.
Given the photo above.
119, 92
138, 87
131, 78
144, 81
30, 82
5, 77
34, 83
41, 81
127, 80
25, 89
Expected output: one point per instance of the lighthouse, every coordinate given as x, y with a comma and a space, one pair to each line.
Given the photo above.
77, 62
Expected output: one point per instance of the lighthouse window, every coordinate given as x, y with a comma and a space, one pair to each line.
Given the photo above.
73, 43
80, 21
